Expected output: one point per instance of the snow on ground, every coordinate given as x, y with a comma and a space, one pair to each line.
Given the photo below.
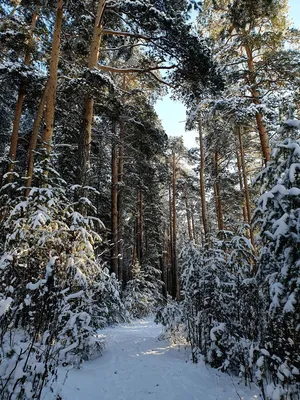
136, 365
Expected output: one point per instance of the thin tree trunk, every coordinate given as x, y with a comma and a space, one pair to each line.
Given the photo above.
264, 139
218, 194
238, 161
188, 213
170, 252
120, 210
166, 258
246, 188
170, 267
114, 210
202, 183
85, 145
162, 275
134, 250
20, 100
121, 188
193, 224
34, 138
140, 225
176, 290
51, 95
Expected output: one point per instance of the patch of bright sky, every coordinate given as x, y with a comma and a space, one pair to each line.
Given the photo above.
172, 113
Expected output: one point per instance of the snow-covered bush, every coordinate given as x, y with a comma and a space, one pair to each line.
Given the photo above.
140, 296
107, 296
50, 280
278, 217
172, 318
219, 310
207, 289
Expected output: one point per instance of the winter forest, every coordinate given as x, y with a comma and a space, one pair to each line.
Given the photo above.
106, 221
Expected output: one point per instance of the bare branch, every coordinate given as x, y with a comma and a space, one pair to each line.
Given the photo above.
133, 69
118, 33
122, 47
160, 80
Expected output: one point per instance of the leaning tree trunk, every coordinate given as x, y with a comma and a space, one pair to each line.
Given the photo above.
51, 95
85, 144
20, 100
202, 184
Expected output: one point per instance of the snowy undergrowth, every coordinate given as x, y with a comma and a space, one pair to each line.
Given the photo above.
54, 292
234, 318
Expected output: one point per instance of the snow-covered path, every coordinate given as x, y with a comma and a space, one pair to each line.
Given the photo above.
136, 365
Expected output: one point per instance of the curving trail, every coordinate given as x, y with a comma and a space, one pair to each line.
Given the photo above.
136, 365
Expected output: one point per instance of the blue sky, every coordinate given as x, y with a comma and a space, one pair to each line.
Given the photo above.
172, 114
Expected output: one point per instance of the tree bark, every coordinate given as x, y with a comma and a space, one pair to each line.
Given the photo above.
162, 275
120, 200
85, 145
188, 213
121, 186
264, 139
176, 289
238, 162
51, 96
193, 224
218, 194
140, 225
170, 247
165, 248
246, 188
202, 183
114, 210
34, 138
20, 101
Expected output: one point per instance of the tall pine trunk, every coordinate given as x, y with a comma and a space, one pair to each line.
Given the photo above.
246, 188
263, 135
218, 193
121, 187
188, 213
20, 100
175, 280
193, 224
85, 143
51, 95
114, 204
34, 139
140, 226
202, 182
120, 201
238, 162
170, 247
